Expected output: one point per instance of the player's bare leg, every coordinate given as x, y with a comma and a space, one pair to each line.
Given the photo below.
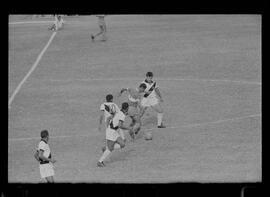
102, 31
121, 133
49, 179
106, 153
111, 145
120, 142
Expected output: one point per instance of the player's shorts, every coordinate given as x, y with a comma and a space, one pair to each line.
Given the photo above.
46, 170
112, 134
101, 22
149, 101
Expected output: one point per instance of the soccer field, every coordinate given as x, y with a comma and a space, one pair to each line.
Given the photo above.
208, 68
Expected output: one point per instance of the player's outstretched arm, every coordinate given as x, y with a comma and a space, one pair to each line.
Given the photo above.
101, 116
122, 91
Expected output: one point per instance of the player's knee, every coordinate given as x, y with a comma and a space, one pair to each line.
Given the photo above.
122, 145
121, 142
110, 146
50, 179
160, 110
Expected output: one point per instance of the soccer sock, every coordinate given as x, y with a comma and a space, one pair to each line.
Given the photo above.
116, 146
159, 118
104, 155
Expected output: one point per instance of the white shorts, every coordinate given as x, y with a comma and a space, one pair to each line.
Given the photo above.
46, 170
101, 22
112, 134
149, 101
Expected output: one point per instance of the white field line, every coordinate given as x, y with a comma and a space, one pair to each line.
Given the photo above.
42, 22
172, 127
161, 79
31, 70
29, 22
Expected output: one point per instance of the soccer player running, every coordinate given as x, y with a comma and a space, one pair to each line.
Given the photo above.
44, 157
152, 98
102, 27
107, 109
135, 109
58, 23
113, 138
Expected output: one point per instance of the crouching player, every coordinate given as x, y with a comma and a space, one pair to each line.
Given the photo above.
113, 138
135, 109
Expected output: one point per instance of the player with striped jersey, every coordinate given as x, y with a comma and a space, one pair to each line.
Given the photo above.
44, 157
113, 138
152, 98
107, 109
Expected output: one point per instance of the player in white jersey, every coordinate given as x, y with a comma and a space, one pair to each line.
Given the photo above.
113, 138
102, 27
135, 109
44, 157
152, 98
108, 109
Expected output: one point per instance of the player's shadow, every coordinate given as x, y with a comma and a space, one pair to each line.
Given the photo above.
121, 155
149, 120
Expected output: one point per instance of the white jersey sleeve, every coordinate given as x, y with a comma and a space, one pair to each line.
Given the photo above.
122, 116
102, 107
42, 146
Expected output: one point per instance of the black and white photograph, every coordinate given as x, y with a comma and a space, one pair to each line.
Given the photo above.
134, 98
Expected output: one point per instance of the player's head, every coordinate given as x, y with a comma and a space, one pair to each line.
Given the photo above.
109, 98
125, 107
149, 76
44, 134
142, 87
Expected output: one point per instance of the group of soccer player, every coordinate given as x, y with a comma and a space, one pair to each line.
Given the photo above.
139, 99
59, 24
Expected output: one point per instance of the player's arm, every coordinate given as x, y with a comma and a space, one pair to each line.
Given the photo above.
41, 156
101, 117
121, 126
122, 91
108, 120
159, 94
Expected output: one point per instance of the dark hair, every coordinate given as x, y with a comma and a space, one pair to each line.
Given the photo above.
142, 85
44, 133
149, 74
109, 98
125, 106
